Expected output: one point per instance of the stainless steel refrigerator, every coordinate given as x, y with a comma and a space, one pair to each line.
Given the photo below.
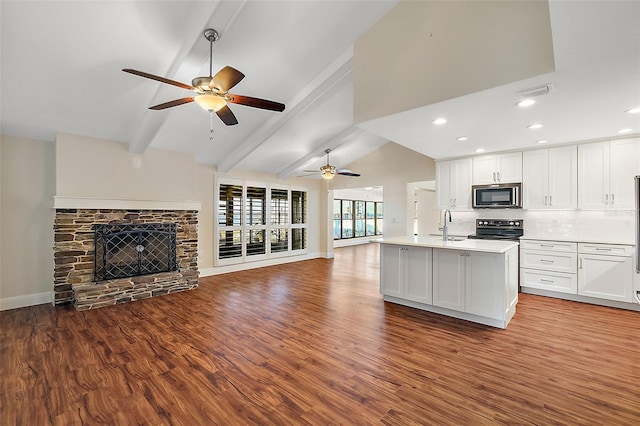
637, 277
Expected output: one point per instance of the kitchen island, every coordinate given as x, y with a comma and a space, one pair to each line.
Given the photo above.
474, 280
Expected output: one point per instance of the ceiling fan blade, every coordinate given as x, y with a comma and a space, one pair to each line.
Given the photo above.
310, 174
226, 78
172, 103
255, 102
227, 116
312, 171
346, 172
157, 78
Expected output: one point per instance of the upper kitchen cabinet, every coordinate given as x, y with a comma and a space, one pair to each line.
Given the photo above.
453, 184
502, 168
550, 178
605, 174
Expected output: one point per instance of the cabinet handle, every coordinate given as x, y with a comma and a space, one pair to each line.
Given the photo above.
498, 176
550, 200
606, 198
603, 249
542, 280
547, 245
612, 198
494, 176
580, 263
545, 200
546, 260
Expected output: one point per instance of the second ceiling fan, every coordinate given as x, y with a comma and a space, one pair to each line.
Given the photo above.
213, 91
329, 172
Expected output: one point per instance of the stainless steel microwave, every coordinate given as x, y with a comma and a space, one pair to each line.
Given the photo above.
497, 196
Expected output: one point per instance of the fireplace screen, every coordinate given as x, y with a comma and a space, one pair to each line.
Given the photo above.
127, 250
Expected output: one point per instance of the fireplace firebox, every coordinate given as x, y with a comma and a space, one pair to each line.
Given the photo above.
129, 250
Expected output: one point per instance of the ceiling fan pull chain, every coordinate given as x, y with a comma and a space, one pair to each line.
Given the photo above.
211, 127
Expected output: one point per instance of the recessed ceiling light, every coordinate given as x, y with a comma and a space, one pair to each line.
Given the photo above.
534, 126
439, 121
633, 110
526, 102
462, 138
543, 141
625, 130
479, 150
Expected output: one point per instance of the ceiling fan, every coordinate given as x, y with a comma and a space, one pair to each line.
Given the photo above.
213, 91
328, 171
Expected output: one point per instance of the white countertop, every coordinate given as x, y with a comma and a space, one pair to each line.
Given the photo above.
490, 246
580, 239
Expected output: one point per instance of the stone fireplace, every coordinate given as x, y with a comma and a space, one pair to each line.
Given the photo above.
136, 241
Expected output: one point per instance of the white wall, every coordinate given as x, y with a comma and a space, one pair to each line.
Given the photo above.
98, 168
424, 52
392, 166
27, 182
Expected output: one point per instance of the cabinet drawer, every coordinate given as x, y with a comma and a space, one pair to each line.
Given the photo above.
553, 281
549, 245
605, 249
554, 261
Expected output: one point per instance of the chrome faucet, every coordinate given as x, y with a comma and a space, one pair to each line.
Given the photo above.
445, 228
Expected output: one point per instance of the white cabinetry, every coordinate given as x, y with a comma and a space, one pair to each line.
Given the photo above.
405, 271
449, 271
605, 271
605, 174
550, 178
549, 265
505, 168
453, 184
478, 283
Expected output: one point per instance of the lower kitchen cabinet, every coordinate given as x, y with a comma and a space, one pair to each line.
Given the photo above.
477, 283
605, 271
549, 265
578, 271
449, 278
405, 272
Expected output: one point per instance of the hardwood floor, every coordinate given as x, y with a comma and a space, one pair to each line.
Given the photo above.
312, 342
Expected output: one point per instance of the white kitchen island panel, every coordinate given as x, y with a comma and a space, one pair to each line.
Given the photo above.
474, 280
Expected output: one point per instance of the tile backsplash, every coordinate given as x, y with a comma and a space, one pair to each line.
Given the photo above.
615, 226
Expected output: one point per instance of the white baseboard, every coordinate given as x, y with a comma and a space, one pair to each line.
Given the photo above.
207, 272
354, 241
26, 300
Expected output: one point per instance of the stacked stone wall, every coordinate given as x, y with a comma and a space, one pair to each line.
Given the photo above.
74, 258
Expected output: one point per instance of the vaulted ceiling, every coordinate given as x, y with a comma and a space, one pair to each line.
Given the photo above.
62, 61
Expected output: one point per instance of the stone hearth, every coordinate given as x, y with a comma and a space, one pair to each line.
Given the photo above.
74, 280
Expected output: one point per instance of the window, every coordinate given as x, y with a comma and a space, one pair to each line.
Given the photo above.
256, 221
354, 218
298, 220
347, 219
359, 218
229, 221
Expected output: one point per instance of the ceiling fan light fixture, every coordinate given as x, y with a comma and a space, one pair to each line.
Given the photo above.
328, 172
210, 102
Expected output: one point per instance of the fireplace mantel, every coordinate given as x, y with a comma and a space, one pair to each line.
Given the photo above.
61, 202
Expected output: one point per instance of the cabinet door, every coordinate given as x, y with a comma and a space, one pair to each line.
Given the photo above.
485, 284
418, 278
390, 269
443, 184
624, 160
509, 167
563, 178
605, 277
535, 171
484, 170
460, 184
593, 175
448, 279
